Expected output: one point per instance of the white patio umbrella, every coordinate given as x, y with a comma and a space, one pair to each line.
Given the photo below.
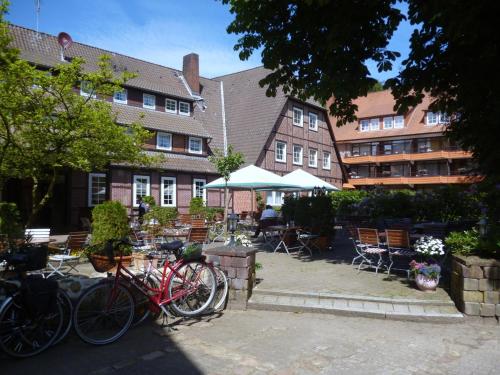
306, 181
252, 178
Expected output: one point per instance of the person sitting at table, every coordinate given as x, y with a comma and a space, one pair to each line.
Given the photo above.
267, 218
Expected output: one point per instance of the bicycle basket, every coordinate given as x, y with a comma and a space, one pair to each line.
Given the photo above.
30, 257
39, 295
192, 252
102, 263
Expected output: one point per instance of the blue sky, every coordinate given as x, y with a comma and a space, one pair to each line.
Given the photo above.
160, 31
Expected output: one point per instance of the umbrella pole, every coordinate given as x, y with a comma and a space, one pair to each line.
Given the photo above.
252, 199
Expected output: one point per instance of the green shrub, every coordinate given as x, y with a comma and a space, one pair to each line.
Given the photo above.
322, 214
211, 212
196, 206
463, 243
288, 208
149, 200
345, 202
10, 221
161, 215
109, 221
260, 202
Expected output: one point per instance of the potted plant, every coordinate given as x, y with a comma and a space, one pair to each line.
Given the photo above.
426, 275
109, 223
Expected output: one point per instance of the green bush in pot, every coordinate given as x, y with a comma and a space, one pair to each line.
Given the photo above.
10, 221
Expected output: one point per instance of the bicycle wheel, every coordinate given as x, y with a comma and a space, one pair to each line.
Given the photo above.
67, 309
24, 335
103, 314
191, 288
220, 297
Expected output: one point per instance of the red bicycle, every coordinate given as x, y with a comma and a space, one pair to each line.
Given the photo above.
106, 310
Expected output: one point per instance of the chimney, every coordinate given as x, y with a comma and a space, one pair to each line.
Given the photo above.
191, 72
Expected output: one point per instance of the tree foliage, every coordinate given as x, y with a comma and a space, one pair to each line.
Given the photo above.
320, 49
47, 127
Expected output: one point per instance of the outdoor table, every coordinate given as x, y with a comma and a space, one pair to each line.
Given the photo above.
282, 231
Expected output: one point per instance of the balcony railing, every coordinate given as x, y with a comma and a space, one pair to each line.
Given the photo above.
421, 177
450, 153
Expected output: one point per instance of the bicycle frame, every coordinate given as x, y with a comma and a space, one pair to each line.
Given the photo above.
159, 296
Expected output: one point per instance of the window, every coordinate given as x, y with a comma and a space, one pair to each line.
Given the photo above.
120, 97
298, 115
141, 188
399, 122
431, 118
364, 125
168, 192
297, 154
388, 149
326, 160
86, 89
148, 101
198, 191
195, 145
274, 198
97, 188
163, 141
313, 121
313, 158
388, 122
184, 108
280, 152
443, 118
171, 105
374, 124
424, 145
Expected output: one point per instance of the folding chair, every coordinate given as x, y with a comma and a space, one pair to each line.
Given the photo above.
75, 241
370, 249
199, 235
306, 240
398, 245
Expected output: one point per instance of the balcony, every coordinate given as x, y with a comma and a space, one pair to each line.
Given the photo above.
417, 179
409, 157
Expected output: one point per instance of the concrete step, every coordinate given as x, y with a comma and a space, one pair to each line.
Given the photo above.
350, 305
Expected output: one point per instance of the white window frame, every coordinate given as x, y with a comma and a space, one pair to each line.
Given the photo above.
443, 118
327, 156
364, 125
283, 159
399, 124
195, 180
191, 151
314, 123
89, 196
134, 188
373, 122
315, 159
120, 101
162, 134
174, 192
175, 105
388, 122
427, 118
301, 119
87, 94
301, 155
147, 106
188, 109
275, 198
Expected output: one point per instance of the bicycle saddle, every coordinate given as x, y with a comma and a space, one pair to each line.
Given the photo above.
172, 246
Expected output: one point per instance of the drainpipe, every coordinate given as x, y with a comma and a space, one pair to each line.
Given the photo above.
224, 132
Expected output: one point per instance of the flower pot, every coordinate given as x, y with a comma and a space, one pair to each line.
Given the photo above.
426, 284
102, 263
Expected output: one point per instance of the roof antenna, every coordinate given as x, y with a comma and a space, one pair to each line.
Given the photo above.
37, 13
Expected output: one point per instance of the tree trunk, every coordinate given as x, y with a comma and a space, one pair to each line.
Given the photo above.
37, 206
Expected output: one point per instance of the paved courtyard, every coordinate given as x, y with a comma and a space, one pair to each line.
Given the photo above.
260, 342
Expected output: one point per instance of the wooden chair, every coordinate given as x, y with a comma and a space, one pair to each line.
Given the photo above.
199, 235
198, 223
369, 248
398, 245
76, 241
185, 219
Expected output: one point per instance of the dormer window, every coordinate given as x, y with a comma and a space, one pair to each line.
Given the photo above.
184, 108
364, 125
374, 125
86, 89
195, 145
148, 101
399, 122
164, 141
388, 122
120, 97
171, 105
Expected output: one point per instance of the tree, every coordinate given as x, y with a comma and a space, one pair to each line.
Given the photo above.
47, 127
320, 49
226, 163
376, 87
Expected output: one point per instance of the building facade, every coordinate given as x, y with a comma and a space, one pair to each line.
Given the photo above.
385, 149
189, 116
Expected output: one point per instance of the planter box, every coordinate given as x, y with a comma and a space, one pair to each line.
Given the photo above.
475, 285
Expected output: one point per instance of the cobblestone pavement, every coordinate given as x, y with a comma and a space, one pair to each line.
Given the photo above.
258, 342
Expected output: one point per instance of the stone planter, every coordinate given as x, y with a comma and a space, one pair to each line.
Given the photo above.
426, 284
475, 285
